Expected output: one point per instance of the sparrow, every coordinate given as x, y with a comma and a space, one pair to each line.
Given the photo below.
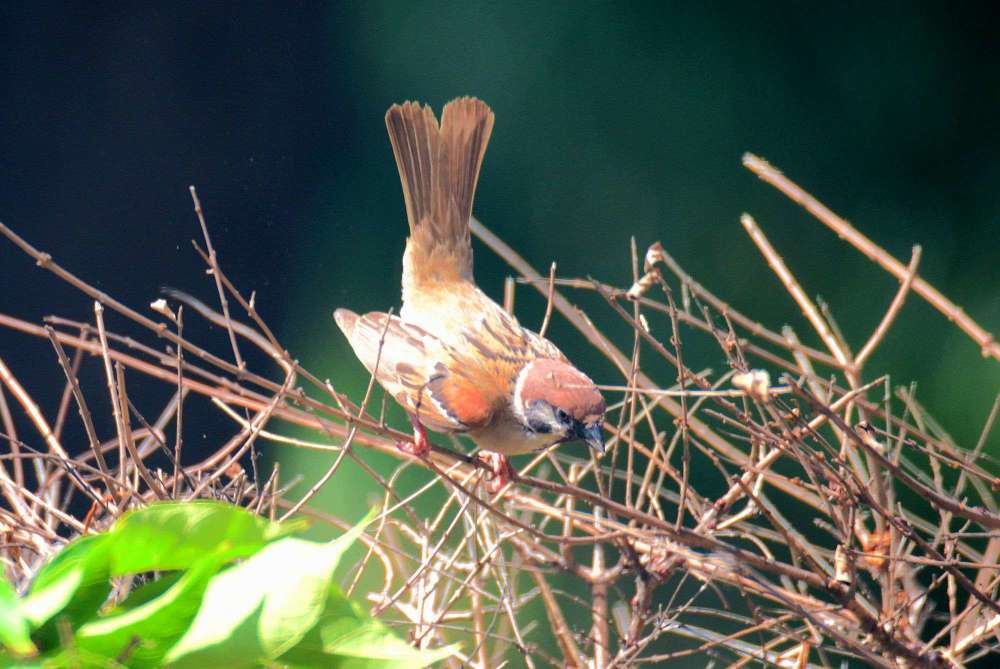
455, 360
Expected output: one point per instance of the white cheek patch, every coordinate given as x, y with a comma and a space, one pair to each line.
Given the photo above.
516, 403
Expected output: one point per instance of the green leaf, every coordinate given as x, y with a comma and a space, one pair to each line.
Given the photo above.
176, 535
257, 610
145, 592
143, 633
74, 583
346, 637
7, 662
13, 624
65, 658
164, 536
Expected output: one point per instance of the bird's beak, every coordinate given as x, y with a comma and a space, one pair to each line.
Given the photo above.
593, 434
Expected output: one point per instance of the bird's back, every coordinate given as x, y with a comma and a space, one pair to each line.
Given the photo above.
465, 318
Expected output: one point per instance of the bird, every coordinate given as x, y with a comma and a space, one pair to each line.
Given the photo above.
455, 360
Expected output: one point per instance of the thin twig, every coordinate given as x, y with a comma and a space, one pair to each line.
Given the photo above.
81, 402
795, 290
548, 301
891, 313
213, 262
986, 342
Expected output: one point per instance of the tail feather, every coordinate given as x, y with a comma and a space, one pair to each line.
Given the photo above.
466, 125
413, 132
439, 168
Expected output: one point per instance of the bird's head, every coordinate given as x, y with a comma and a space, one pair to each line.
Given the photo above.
553, 397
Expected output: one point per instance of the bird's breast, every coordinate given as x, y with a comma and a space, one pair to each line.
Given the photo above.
509, 437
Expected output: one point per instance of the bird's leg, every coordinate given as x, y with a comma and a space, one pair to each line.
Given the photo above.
501, 471
420, 445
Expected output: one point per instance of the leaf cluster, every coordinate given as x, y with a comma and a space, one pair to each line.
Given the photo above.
196, 584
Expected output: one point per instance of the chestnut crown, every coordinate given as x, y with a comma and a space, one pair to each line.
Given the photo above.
553, 397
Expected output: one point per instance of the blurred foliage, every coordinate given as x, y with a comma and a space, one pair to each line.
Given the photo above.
277, 607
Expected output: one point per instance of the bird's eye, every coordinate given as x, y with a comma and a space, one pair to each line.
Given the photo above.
562, 416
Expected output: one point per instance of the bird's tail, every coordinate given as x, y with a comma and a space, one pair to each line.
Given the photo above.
439, 167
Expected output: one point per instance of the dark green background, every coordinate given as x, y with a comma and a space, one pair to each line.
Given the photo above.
613, 120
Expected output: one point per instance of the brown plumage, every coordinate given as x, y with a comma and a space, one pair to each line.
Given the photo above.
439, 169
453, 358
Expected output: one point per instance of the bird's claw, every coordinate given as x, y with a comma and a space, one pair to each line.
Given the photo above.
500, 470
420, 445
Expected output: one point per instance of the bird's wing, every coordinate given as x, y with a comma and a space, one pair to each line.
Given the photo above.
499, 339
431, 380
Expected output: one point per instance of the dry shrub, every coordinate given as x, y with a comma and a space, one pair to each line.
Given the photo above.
805, 516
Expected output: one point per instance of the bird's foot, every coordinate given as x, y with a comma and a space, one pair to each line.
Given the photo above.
500, 469
420, 445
